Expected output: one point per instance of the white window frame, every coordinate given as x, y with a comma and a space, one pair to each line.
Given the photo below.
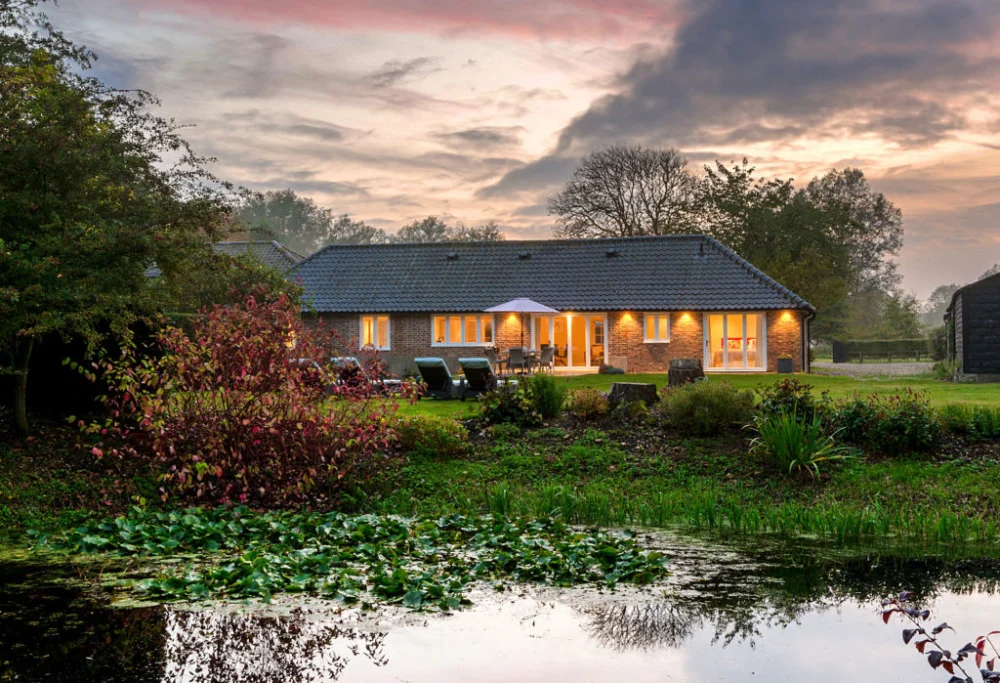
761, 344
656, 315
375, 331
448, 317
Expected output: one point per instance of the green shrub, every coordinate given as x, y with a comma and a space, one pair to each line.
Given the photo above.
509, 403
890, 424
971, 422
547, 394
588, 404
793, 397
704, 408
794, 444
945, 369
430, 436
505, 431
633, 411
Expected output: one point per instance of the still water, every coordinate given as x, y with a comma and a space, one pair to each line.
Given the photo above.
768, 612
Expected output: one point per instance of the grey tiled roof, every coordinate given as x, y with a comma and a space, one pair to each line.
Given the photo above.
678, 272
270, 253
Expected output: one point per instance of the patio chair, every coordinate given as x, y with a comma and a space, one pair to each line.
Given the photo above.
349, 371
436, 376
495, 361
546, 360
479, 376
517, 359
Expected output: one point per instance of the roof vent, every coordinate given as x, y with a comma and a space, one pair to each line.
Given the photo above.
611, 253
452, 255
524, 255
701, 248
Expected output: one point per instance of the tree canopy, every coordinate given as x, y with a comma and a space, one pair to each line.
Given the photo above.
303, 226
94, 189
433, 229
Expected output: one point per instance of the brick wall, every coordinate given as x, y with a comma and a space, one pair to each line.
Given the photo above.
784, 337
411, 337
627, 350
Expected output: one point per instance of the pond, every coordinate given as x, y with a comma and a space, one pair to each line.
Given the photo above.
766, 611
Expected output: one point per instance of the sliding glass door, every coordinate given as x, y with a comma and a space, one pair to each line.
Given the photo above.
580, 340
735, 341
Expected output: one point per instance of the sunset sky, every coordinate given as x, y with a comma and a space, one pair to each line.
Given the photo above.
394, 110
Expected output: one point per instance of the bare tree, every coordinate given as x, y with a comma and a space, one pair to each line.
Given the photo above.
622, 191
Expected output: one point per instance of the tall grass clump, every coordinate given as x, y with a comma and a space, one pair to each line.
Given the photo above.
547, 395
705, 408
792, 444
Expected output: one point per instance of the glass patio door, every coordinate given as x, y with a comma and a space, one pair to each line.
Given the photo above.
580, 340
735, 341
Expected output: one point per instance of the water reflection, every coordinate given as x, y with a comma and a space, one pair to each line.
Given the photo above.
204, 647
739, 600
726, 605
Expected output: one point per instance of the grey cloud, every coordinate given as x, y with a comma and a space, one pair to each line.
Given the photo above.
801, 67
483, 137
546, 173
256, 73
396, 71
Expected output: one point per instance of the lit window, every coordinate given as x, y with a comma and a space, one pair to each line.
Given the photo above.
375, 332
461, 330
657, 327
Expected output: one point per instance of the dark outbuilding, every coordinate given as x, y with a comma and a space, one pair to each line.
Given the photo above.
973, 320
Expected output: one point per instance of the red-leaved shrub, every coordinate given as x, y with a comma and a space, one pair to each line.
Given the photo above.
246, 407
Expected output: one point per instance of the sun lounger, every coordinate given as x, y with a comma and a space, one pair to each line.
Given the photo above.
436, 376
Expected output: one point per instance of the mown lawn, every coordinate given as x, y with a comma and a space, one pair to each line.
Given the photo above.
939, 392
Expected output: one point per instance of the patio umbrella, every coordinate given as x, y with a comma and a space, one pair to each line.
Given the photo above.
522, 306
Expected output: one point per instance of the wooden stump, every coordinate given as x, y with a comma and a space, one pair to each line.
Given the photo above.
684, 370
626, 392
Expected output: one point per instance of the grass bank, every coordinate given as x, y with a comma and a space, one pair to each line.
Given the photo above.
607, 479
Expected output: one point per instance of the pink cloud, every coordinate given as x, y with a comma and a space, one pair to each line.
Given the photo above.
621, 20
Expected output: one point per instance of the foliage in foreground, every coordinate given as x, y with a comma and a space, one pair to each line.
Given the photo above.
707, 408
363, 559
509, 403
588, 404
547, 394
889, 424
927, 642
231, 411
792, 444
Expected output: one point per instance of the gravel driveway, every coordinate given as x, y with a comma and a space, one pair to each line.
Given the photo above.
871, 369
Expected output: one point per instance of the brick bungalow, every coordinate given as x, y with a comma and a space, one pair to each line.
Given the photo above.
635, 303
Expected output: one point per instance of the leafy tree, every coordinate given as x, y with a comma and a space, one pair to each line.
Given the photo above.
430, 229
868, 223
777, 229
990, 272
937, 303
621, 191
302, 225
93, 190
433, 229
